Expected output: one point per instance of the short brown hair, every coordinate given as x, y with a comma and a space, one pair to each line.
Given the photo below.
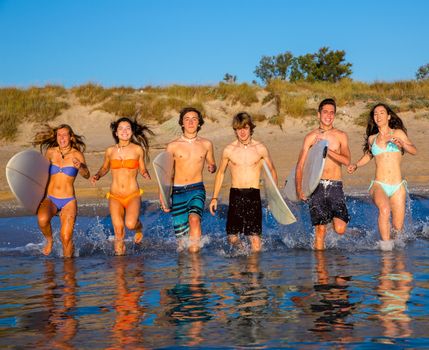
242, 119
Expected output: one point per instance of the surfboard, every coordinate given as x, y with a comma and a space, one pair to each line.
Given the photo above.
276, 203
311, 173
27, 174
163, 164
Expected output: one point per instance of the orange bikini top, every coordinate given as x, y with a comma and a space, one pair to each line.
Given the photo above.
124, 163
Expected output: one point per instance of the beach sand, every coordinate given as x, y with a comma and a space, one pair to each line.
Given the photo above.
284, 145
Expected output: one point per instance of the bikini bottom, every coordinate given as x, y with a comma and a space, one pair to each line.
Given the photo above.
390, 190
60, 203
124, 200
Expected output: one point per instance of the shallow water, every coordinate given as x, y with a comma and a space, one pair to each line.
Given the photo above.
351, 295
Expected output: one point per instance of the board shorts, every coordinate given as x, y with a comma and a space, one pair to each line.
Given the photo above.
328, 202
244, 212
186, 200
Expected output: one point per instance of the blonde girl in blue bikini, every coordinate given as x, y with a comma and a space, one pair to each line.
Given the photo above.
64, 150
386, 141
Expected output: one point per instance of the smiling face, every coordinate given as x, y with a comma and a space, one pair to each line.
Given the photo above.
381, 116
124, 131
243, 134
326, 116
190, 122
63, 137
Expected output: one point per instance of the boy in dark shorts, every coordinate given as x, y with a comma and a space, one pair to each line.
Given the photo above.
327, 203
244, 157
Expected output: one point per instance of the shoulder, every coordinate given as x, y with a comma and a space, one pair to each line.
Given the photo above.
229, 148
342, 135
205, 142
399, 132
260, 147
173, 144
310, 137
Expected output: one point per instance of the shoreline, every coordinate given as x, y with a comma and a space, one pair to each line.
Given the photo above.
93, 202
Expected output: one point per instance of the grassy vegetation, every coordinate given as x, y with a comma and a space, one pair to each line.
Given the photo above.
296, 100
33, 104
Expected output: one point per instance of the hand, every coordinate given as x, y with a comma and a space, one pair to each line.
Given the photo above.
94, 179
76, 163
162, 205
301, 196
211, 168
397, 141
146, 175
213, 206
352, 168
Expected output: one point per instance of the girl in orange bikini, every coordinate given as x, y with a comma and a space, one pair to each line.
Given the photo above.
126, 159
64, 149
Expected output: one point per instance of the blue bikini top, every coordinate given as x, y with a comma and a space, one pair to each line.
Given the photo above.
68, 170
390, 148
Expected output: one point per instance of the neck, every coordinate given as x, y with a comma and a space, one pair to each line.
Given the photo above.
245, 142
384, 130
189, 136
123, 143
62, 149
324, 128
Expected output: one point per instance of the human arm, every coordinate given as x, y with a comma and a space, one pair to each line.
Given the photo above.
343, 157
80, 164
361, 162
402, 141
142, 165
267, 158
211, 162
104, 168
218, 181
308, 142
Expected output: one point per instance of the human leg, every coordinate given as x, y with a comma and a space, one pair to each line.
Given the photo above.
397, 205
68, 217
45, 213
381, 201
319, 237
194, 232
132, 221
117, 213
255, 243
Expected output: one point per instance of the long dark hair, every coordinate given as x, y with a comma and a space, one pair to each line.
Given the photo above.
371, 129
47, 138
140, 133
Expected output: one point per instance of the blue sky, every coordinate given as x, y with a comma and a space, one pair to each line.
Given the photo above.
161, 42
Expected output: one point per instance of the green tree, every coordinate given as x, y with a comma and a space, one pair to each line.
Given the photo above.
423, 72
324, 65
229, 78
274, 67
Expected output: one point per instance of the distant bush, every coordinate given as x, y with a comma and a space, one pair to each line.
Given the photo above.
33, 104
423, 72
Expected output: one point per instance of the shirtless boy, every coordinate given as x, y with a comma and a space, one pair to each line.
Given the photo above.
244, 157
190, 152
327, 203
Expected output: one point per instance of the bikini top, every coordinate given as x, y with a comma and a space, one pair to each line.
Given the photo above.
124, 163
68, 170
390, 148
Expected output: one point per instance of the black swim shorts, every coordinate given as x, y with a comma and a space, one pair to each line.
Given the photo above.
328, 202
244, 212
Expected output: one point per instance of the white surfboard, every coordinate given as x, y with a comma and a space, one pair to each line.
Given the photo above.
27, 174
276, 203
163, 164
311, 173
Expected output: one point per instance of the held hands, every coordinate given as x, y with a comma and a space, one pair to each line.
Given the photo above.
94, 179
397, 141
352, 168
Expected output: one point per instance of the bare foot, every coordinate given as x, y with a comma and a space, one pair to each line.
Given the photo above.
47, 249
138, 237
319, 244
119, 247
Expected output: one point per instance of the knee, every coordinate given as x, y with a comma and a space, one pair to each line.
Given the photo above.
384, 211
194, 220
130, 224
66, 238
340, 229
43, 220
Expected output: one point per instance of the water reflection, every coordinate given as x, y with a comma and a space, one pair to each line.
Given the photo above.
56, 322
394, 288
186, 304
251, 301
129, 289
